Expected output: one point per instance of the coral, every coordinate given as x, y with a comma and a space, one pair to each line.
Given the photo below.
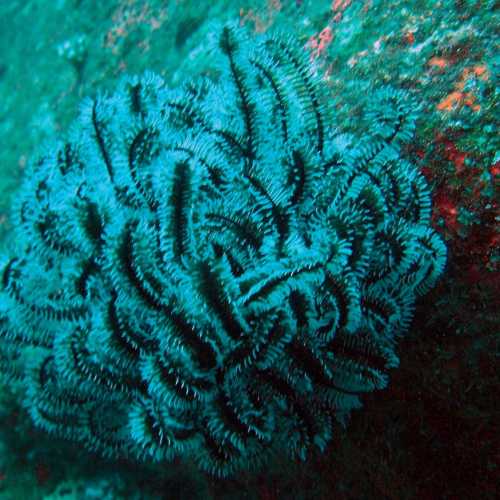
216, 272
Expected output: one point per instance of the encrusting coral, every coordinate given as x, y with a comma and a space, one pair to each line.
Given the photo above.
215, 272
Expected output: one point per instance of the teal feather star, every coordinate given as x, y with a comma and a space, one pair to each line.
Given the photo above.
215, 273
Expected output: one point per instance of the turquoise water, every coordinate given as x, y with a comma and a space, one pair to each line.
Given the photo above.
54, 55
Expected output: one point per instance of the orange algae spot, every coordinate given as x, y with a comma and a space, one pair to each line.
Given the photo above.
409, 37
450, 101
339, 5
480, 71
458, 98
470, 100
439, 62
319, 43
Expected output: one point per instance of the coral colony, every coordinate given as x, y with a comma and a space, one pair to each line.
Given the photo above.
215, 273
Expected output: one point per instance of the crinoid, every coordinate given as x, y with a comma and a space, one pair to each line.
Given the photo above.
215, 272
